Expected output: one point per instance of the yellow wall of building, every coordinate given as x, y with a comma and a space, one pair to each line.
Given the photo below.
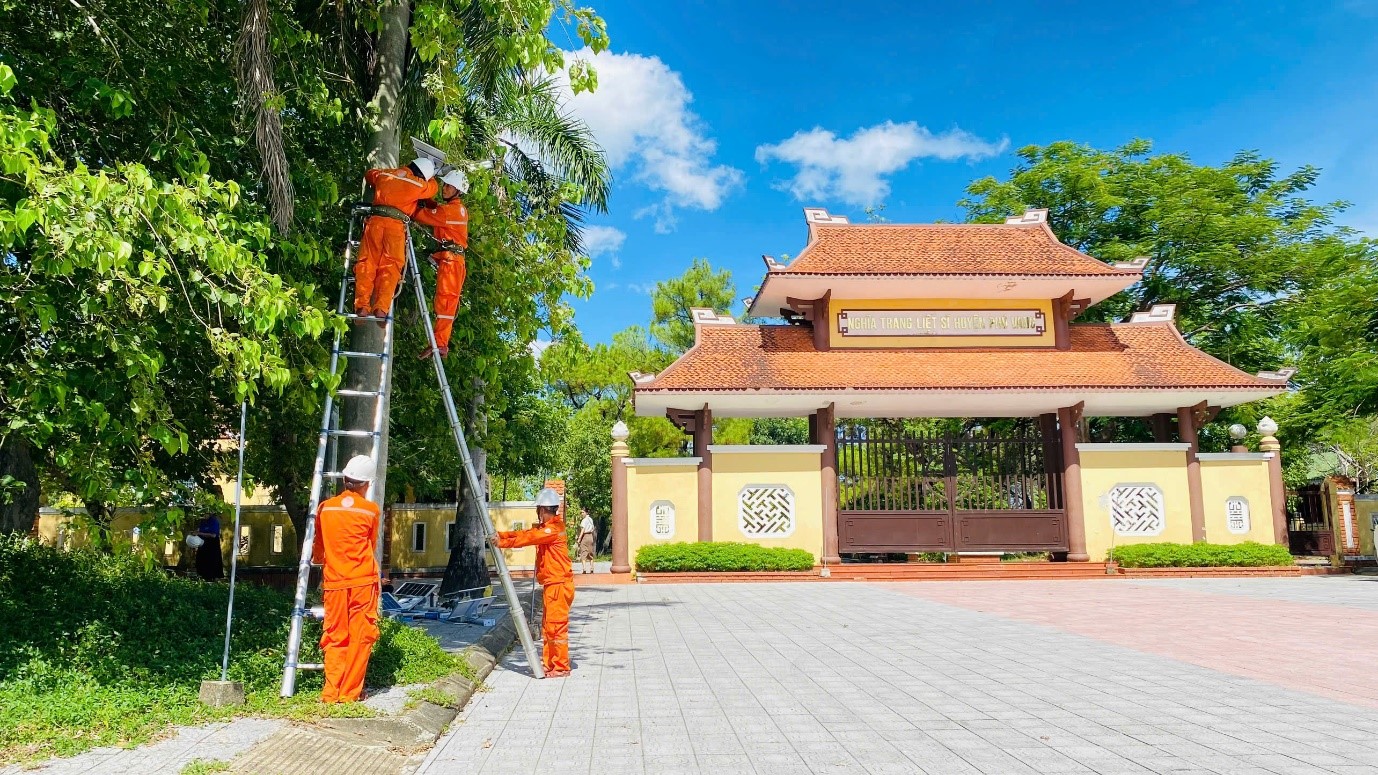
649, 484
1103, 470
1367, 508
1047, 339
799, 471
403, 558
1239, 477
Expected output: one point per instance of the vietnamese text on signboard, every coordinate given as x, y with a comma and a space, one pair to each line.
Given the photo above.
941, 322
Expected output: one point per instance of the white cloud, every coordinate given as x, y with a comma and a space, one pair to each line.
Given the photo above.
539, 347
855, 169
604, 240
640, 115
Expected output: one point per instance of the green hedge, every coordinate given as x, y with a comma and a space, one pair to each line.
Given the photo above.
719, 556
1202, 555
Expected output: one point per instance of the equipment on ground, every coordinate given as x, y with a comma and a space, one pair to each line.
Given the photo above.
331, 433
195, 541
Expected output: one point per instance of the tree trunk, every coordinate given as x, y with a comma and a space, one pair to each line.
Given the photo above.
384, 145
18, 506
99, 515
468, 565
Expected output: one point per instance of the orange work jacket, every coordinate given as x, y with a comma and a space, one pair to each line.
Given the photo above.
346, 533
552, 549
399, 188
449, 221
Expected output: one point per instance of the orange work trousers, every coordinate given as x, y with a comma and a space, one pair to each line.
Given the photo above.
351, 628
449, 281
555, 626
382, 255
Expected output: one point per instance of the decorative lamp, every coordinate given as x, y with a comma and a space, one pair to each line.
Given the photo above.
1267, 426
1238, 432
619, 431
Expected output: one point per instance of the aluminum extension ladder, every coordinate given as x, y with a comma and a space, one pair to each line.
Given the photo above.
331, 433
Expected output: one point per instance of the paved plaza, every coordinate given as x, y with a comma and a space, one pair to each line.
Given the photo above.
1107, 676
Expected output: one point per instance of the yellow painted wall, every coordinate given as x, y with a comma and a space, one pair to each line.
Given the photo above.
55, 527
1223, 479
647, 484
1101, 471
437, 517
800, 471
1367, 508
1047, 339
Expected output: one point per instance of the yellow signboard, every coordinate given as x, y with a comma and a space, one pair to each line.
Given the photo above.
926, 323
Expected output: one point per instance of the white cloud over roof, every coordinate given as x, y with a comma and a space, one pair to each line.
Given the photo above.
855, 169
640, 115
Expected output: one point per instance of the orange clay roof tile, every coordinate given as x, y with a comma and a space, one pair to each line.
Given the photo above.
942, 249
1102, 356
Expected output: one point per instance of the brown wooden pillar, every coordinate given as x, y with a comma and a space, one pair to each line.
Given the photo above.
1068, 419
620, 559
823, 429
1162, 427
1186, 428
703, 436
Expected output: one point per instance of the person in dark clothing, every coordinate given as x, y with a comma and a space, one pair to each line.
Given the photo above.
210, 563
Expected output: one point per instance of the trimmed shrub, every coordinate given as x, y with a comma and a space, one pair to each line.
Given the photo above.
1201, 555
719, 556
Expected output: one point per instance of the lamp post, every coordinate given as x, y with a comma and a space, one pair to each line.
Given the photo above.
620, 433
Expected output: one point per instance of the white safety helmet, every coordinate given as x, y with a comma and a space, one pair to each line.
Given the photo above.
360, 468
457, 179
426, 166
195, 541
548, 497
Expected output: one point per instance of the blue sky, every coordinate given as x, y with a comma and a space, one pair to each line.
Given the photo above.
723, 119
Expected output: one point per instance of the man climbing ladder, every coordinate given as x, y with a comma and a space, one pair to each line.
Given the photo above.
449, 223
396, 194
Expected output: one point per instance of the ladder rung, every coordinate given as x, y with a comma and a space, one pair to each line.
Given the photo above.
352, 316
357, 354
310, 666
359, 393
346, 432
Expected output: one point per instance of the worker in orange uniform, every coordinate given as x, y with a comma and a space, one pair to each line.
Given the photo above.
553, 573
346, 536
383, 253
449, 223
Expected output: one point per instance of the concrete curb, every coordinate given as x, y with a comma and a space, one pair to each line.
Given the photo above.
393, 745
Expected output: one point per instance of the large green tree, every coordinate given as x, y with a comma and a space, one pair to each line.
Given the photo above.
672, 323
1229, 245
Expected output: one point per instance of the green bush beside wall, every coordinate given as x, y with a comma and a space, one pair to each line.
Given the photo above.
719, 556
1201, 555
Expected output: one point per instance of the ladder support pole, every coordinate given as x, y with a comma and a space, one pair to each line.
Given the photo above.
514, 602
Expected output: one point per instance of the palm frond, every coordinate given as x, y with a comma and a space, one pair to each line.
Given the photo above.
258, 91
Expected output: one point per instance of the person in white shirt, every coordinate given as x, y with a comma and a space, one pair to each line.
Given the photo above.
586, 541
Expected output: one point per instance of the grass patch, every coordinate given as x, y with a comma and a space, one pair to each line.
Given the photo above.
205, 767
1200, 555
96, 650
719, 556
435, 697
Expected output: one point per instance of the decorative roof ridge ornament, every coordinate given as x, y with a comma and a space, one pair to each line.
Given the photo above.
708, 317
1158, 313
1135, 265
819, 216
1030, 216
1281, 375
641, 378
772, 265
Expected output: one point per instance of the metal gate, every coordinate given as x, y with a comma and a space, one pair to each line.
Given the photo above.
911, 491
